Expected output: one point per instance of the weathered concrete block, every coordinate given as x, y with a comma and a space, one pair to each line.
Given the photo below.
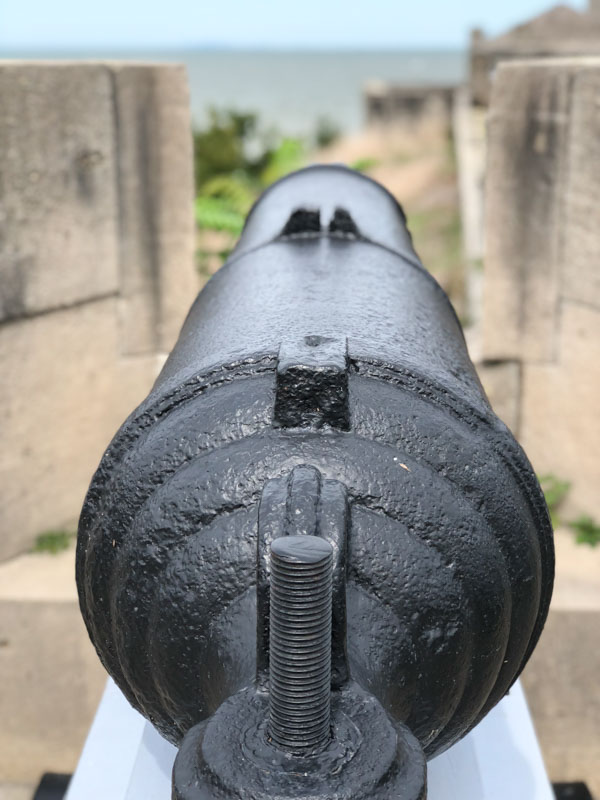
581, 243
502, 384
58, 194
16, 791
577, 584
96, 269
52, 677
96, 192
528, 132
66, 388
560, 419
542, 282
561, 683
156, 187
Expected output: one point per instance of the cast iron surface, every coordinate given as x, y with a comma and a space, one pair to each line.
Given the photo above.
321, 385
368, 757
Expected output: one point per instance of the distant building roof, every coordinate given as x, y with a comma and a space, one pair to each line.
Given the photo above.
559, 30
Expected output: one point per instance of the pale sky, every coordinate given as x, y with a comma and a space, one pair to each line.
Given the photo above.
139, 24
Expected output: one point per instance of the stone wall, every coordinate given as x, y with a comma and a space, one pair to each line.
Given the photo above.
96, 276
541, 316
411, 108
561, 685
96, 269
541, 369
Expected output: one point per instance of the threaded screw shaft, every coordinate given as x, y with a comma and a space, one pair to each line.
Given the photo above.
300, 643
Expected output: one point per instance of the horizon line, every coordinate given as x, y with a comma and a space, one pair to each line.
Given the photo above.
267, 48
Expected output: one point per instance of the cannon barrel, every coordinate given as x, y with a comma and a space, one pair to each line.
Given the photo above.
320, 388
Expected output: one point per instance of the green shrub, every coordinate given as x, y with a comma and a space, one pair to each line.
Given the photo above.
364, 164
555, 490
234, 161
289, 155
53, 542
327, 132
230, 142
587, 531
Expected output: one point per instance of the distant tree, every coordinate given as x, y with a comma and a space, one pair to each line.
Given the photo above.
234, 161
223, 146
327, 132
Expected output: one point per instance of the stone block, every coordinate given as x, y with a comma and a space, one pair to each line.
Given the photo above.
156, 188
52, 677
541, 192
502, 384
96, 269
560, 423
16, 791
577, 582
581, 227
527, 134
96, 193
64, 392
58, 194
561, 683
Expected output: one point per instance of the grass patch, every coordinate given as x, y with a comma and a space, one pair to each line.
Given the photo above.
555, 490
587, 531
365, 164
53, 542
437, 237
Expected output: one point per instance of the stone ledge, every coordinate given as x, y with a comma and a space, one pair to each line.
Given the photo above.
39, 577
561, 683
50, 665
16, 791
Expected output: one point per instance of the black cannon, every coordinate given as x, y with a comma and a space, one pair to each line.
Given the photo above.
313, 557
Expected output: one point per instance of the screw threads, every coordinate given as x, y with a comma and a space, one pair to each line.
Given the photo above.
300, 643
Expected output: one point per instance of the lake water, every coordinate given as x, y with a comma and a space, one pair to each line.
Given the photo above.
292, 90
